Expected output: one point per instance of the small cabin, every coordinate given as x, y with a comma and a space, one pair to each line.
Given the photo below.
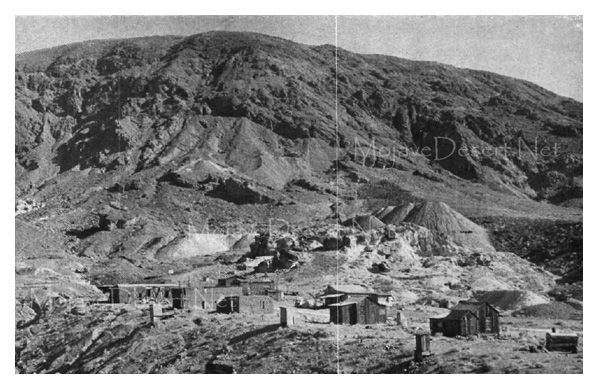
456, 323
230, 281
360, 310
256, 286
488, 316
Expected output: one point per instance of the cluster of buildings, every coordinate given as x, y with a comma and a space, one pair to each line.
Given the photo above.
228, 295
347, 304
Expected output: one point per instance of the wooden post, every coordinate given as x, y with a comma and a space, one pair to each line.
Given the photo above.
401, 320
152, 320
284, 317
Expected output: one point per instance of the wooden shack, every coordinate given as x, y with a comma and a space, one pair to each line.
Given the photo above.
561, 342
258, 286
360, 310
255, 304
340, 293
456, 323
488, 316
230, 281
255, 286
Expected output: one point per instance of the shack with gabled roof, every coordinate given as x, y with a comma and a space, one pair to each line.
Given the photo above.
358, 310
488, 316
456, 323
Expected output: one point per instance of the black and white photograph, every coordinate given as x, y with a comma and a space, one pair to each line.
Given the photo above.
317, 194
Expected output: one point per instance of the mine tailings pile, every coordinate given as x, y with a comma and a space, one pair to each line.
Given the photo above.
440, 218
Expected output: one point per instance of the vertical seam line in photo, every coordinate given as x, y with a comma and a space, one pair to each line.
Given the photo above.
337, 175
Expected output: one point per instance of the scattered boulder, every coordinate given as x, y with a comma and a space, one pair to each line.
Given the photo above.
263, 245
382, 267
311, 245
286, 243
332, 243
23, 206
350, 241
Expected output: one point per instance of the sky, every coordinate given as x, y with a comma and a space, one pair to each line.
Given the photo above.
546, 50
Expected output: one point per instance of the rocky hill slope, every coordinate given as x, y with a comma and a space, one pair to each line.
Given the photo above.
123, 146
191, 109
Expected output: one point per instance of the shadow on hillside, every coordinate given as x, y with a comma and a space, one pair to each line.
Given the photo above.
83, 233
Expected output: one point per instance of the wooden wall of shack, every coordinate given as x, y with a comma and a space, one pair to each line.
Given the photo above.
257, 287
371, 312
252, 304
562, 342
249, 286
180, 297
491, 320
488, 316
344, 314
360, 311
452, 326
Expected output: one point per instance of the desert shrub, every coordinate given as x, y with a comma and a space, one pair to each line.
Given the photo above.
320, 334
